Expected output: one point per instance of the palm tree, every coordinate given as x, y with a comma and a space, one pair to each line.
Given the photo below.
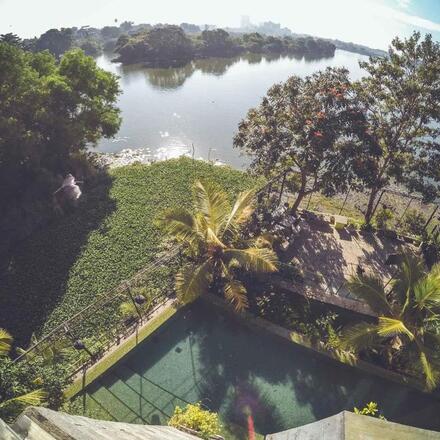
215, 246
35, 397
408, 316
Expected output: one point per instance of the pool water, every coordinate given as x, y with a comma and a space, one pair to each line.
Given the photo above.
202, 354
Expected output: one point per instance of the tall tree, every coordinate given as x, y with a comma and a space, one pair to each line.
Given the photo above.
216, 249
408, 310
401, 99
11, 38
313, 125
50, 113
55, 41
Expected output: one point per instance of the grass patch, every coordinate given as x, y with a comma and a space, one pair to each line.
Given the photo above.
62, 267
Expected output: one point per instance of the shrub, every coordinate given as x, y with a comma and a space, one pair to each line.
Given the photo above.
414, 222
370, 409
383, 217
205, 422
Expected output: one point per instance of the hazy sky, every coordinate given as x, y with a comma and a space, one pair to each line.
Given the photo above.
370, 22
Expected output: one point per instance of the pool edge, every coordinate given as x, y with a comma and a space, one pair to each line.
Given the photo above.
91, 374
296, 338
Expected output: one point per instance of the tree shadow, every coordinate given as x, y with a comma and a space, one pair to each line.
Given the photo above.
320, 254
40, 266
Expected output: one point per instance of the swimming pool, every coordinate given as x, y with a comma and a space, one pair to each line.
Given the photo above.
203, 354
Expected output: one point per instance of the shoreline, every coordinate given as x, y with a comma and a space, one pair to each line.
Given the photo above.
144, 156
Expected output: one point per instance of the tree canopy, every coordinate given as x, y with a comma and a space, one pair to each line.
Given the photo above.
400, 97
55, 41
163, 44
313, 125
50, 112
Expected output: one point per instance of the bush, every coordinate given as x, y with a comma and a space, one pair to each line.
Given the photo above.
414, 222
23, 377
370, 409
205, 422
383, 217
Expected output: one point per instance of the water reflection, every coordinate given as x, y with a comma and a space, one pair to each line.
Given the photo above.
202, 102
170, 78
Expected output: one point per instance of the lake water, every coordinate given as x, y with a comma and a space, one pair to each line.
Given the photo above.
201, 104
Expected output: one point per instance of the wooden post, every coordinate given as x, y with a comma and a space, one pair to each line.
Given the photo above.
308, 203
345, 200
430, 217
406, 209
282, 188
133, 301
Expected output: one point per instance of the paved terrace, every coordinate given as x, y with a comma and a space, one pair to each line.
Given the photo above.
328, 257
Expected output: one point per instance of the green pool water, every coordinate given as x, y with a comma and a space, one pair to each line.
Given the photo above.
202, 354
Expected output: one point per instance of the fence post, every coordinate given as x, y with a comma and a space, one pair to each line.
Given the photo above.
406, 209
282, 187
345, 201
430, 217
127, 287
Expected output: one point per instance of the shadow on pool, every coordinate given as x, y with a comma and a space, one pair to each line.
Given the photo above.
246, 376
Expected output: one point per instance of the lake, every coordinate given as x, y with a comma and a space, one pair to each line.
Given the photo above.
201, 104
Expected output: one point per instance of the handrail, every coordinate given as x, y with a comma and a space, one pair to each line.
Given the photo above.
106, 296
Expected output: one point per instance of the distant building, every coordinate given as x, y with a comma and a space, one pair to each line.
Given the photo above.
245, 22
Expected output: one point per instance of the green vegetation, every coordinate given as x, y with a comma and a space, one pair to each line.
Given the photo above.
313, 125
50, 113
365, 134
370, 409
405, 334
23, 385
403, 118
194, 417
111, 235
216, 247
170, 45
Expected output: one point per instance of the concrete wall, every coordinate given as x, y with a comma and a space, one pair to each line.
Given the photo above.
350, 426
45, 424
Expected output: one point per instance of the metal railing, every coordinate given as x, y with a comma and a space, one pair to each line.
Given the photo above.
89, 334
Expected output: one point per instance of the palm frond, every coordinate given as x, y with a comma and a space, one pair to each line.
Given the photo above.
236, 294
5, 342
360, 336
193, 281
370, 289
212, 203
430, 373
255, 259
180, 224
33, 398
389, 327
427, 291
241, 211
410, 272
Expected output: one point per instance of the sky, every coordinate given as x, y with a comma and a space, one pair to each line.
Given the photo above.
370, 22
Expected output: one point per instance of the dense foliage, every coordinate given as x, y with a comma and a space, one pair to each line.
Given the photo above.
23, 384
215, 244
405, 333
194, 417
107, 239
170, 45
400, 97
314, 126
50, 112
